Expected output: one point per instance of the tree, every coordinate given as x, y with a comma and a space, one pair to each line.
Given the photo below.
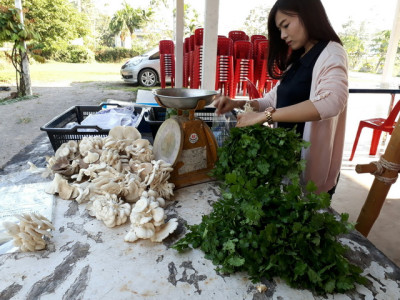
257, 21
191, 19
353, 40
117, 25
57, 22
129, 19
12, 30
379, 47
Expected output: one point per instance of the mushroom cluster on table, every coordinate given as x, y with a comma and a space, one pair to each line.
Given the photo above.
31, 232
119, 179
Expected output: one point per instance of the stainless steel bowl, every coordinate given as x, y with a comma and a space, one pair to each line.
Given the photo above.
184, 98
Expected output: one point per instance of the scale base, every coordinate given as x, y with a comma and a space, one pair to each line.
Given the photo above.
188, 179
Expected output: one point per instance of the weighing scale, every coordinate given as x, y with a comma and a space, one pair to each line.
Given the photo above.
184, 141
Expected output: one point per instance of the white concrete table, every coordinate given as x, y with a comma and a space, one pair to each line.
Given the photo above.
87, 260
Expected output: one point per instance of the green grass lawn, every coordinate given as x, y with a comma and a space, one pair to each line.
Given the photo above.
55, 71
109, 72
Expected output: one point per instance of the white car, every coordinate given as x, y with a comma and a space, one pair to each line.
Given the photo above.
143, 69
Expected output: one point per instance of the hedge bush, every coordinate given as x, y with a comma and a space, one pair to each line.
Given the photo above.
114, 54
74, 54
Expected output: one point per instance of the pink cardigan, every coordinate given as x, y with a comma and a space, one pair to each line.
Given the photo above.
329, 94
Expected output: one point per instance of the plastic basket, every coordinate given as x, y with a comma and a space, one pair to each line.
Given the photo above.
154, 116
58, 134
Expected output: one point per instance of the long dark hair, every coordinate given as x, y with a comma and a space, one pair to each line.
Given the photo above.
313, 16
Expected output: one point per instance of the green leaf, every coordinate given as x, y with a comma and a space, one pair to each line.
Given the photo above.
311, 187
230, 245
230, 178
329, 287
344, 285
313, 276
236, 261
300, 268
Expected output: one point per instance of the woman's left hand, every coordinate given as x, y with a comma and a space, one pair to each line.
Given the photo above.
250, 118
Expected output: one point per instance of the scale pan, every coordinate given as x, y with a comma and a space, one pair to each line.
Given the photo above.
181, 98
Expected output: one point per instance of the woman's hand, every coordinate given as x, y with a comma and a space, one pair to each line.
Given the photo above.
223, 104
250, 118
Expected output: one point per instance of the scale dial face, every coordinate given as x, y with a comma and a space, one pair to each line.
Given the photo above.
168, 142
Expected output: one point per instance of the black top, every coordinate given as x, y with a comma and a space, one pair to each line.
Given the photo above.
296, 83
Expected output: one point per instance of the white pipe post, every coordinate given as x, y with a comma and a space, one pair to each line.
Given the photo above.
210, 41
392, 49
179, 23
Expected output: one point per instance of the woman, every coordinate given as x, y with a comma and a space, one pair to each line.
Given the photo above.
313, 90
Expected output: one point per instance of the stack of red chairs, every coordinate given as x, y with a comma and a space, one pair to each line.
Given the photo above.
244, 66
186, 62
238, 35
224, 74
197, 58
191, 58
257, 37
167, 61
265, 81
258, 58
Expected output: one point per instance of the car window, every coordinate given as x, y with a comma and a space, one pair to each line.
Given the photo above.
155, 56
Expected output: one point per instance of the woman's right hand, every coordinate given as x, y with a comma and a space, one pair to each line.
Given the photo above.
223, 104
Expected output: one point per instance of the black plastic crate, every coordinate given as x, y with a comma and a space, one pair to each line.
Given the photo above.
154, 116
58, 134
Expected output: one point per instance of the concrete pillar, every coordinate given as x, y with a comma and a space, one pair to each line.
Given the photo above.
210, 40
179, 43
392, 49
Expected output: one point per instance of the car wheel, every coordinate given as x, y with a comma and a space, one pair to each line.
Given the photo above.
148, 77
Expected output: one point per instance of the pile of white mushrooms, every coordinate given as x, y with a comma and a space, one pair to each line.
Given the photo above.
119, 179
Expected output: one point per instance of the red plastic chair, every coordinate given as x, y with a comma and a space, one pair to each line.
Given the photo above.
167, 61
197, 58
260, 55
225, 72
243, 65
186, 62
257, 37
264, 81
238, 35
378, 125
191, 58
252, 89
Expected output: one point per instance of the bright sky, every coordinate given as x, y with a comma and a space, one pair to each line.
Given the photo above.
379, 14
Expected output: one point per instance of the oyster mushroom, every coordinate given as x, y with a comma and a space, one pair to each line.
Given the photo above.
158, 214
131, 237
89, 144
132, 188
141, 204
68, 150
142, 169
91, 157
62, 166
145, 231
34, 169
165, 230
112, 211
60, 186
141, 150
29, 234
124, 133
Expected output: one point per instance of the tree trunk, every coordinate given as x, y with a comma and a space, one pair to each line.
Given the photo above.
25, 87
